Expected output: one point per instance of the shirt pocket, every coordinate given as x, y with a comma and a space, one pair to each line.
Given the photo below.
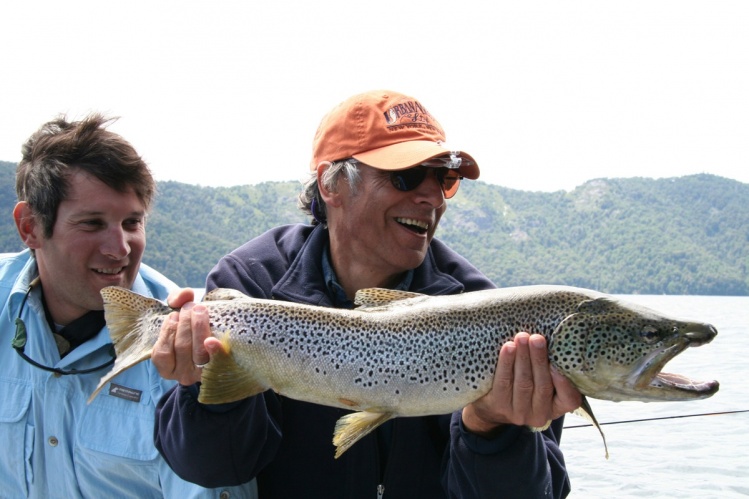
120, 428
16, 437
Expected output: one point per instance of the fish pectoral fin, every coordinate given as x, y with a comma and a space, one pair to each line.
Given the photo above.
377, 297
220, 294
223, 380
586, 412
352, 427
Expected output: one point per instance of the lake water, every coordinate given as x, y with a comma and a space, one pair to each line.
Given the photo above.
704, 456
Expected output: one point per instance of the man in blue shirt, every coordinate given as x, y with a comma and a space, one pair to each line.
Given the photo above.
83, 196
380, 178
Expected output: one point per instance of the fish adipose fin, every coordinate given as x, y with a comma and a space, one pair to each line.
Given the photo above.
586, 412
223, 380
352, 427
123, 311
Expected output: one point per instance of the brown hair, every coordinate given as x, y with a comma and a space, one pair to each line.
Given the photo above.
60, 147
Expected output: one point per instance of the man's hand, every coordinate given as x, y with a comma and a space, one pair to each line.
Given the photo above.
526, 391
185, 342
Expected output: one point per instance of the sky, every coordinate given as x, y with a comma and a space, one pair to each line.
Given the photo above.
545, 95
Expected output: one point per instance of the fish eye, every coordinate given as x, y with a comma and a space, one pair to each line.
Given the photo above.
649, 334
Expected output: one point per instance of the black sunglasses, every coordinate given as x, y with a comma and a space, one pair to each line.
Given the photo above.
410, 179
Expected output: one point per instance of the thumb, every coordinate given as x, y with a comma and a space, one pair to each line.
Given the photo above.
214, 346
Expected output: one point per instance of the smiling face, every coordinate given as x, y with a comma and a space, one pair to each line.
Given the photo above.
98, 240
378, 232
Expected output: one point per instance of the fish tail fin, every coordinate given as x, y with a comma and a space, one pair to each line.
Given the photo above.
223, 380
586, 412
352, 427
124, 311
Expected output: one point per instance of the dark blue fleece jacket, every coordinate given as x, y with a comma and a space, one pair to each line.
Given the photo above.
287, 444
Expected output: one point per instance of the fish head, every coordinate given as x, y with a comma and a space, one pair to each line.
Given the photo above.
616, 351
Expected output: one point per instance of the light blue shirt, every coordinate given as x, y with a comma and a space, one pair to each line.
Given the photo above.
55, 445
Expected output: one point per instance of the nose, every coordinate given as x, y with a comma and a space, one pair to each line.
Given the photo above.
116, 243
430, 189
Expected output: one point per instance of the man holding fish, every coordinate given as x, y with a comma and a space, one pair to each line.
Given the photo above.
83, 196
381, 173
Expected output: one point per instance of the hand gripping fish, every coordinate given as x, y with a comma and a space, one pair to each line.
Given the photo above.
407, 354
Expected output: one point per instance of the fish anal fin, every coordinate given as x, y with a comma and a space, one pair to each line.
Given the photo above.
377, 297
223, 380
352, 427
586, 412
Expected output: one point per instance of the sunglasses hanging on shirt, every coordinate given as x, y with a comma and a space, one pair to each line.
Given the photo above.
19, 344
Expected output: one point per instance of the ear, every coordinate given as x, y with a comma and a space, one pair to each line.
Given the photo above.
330, 196
29, 228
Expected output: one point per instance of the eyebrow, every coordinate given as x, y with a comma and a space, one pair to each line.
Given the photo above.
98, 213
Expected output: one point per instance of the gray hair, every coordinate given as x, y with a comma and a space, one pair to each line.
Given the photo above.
311, 201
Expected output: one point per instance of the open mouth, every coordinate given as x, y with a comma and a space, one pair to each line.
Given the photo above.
670, 386
110, 271
413, 225
677, 382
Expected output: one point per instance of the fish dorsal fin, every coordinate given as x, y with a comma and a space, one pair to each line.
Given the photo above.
222, 294
377, 297
586, 412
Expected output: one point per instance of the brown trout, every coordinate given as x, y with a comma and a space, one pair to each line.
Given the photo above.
407, 354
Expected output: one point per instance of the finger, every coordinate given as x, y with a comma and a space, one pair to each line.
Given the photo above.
504, 376
183, 337
567, 397
522, 396
543, 387
214, 346
179, 297
200, 331
162, 356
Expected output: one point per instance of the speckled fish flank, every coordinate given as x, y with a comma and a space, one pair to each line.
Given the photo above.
406, 354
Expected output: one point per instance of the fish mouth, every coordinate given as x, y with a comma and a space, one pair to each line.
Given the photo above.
680, 383
650, 383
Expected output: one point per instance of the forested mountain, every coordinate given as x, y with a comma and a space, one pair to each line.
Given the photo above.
686, 235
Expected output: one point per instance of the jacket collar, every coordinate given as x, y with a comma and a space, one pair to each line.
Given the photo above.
304, 281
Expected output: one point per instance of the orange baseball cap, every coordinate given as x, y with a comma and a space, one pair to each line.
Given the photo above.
386, 130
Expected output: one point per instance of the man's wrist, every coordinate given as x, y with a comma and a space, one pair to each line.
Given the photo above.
473, 423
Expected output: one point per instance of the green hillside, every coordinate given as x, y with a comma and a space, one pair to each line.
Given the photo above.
687, 235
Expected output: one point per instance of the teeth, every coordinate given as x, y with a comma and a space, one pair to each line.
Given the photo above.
411, 221
110, 271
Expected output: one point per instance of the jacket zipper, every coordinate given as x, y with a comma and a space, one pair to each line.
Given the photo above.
384, 472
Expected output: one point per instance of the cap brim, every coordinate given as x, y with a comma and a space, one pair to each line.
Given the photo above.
404, 155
